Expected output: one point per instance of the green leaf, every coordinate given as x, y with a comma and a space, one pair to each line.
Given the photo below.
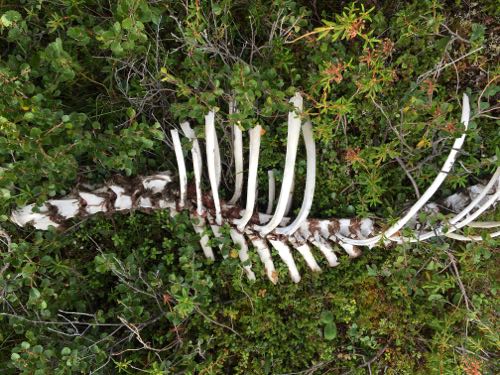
79, 34
330, 331
15, 356
128, 24
25, 345
326, 317
10, 17
34, 293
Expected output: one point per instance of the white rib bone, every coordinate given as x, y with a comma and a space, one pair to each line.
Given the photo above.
460, 237
179, 156
217, 159
239, 239
306, 253
327, 251
264, 255
291, 153
431, 190
197, 164
351, 250
211, 142
310, 182
271, 191
255, 134
285, 254
455, 222
200, 227
484, 224
290, 196
238, 157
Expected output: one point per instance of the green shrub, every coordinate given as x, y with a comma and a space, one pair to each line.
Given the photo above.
87, 90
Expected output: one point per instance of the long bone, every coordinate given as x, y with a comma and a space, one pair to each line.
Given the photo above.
181, 165
197, 218
456, 223
310, 182
197, 164
271, 191
431, 190
238, 157
213, 171
291, 153
255, 134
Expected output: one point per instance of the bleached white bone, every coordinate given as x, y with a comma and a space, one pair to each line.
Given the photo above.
431, 190
181, 166
211, 142
157, 182
460, 237
123, 201
39, 220
484, 224
291, 154
94, 204
253, 165
310, 182
67, 208
307, 254
286, 255
238, 157
455, 223
239, 239
197, 164
264, 255
327, 251
200, 228
271, 191
290, 196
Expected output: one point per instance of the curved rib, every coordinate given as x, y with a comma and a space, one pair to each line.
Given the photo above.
327, 251
285, 254
199, 226
455, 222
484, 224
305, 250
460, 237
431, 190
255, 134
238, 158
211, 141
239, 239
271, 191
310, 182
197, 163
264, 255
181, 167
290, 196
291, 153
217, 159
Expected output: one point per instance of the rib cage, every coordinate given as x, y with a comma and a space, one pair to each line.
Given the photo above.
284, 234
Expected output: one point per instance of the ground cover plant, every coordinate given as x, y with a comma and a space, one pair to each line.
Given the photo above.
90, 89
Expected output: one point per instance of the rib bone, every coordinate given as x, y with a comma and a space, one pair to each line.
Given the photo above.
291, 153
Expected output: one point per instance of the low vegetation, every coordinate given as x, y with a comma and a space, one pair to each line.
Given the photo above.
90, 89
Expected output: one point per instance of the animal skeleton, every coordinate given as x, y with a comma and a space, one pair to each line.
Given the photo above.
263, 229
